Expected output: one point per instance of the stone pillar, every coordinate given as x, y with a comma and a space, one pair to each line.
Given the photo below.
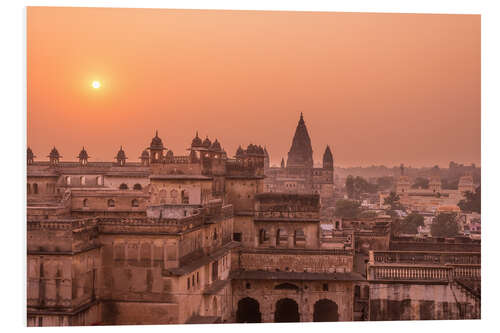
306, 316
290, 241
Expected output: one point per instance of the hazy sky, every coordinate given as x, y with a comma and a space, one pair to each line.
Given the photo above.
378, 88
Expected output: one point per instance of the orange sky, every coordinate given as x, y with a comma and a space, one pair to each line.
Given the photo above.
379, 88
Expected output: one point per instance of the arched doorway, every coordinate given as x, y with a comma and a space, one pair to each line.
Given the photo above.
287, 311
248, 311
325, 310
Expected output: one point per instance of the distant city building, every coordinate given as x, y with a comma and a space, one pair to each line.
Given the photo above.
431, 199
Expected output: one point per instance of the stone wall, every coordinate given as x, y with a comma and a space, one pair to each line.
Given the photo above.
290, 234
398, 301
306, 294
139, 313
240, 192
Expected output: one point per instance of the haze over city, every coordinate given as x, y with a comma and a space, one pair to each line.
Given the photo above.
378, 88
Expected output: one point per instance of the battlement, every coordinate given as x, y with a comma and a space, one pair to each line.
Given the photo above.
241, 168
62, 236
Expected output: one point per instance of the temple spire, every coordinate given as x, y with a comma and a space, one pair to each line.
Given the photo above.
300, 154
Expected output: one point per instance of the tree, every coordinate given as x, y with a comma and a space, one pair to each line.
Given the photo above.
357, 186
445, 225
472, 201
410, 224
347, 208
384, 183
349, 186
393, 200
421, 183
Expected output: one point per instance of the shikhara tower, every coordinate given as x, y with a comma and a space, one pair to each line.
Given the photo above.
301, 153
299, 175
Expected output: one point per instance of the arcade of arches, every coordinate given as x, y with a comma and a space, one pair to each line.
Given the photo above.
286, 310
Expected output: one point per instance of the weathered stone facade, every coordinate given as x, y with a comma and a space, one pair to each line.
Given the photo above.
196, 239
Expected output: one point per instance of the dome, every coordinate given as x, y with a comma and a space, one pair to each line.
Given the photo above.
255, 150
216, 146
156, 142
251, 149
170, 154
54, 153
207, 143
239, 151
196, 141
121, 154
83, 154
145, 154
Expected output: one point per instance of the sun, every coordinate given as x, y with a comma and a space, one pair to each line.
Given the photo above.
96, 84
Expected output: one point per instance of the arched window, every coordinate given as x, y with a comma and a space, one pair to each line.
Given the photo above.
137, 187
135, 203
68, 180
111, 203
85, 202
29, 188
82, 180
35, 188
123, 186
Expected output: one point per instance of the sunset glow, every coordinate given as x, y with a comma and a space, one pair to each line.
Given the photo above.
379, 88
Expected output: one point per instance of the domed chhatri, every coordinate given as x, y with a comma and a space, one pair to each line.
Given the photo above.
83, 154
156, 149
83, 157
145, 154
239, 151
30, 156
196, 141
54, 157
207, 143
121, 157
144, 157
156, 142
54, 153
216, 146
